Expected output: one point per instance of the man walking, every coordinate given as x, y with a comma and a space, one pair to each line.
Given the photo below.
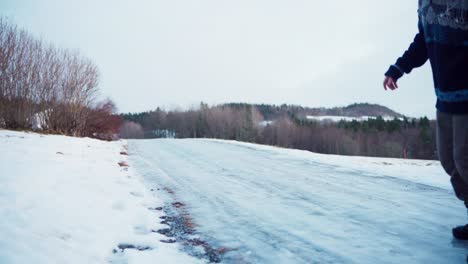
443, 40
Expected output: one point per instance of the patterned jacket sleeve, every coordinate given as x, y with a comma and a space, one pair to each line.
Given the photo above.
414, 57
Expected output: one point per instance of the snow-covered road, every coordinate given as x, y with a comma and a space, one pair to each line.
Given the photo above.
274, 205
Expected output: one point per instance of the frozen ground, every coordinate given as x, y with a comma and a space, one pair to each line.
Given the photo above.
66, 200
271, 205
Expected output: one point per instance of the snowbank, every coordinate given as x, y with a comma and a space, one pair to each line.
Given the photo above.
66, 200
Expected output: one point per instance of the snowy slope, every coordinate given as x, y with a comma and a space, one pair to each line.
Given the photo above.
66, 200
347, 118
272, 205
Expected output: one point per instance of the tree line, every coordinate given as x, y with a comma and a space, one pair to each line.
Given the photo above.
48, 88
399, 138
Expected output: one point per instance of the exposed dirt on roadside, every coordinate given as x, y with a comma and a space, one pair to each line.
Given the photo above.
182, 229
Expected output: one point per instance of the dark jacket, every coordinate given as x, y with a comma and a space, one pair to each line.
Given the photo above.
443, 39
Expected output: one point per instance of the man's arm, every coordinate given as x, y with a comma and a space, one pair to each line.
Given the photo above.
414, 57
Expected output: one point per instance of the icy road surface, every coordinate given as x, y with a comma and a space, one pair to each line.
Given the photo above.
275, 205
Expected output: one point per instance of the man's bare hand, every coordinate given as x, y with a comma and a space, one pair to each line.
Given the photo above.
389, 83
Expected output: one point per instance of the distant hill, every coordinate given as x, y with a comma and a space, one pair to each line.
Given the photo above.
357, 110
350, 130
272, 112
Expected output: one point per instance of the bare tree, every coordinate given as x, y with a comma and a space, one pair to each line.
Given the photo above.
36, 78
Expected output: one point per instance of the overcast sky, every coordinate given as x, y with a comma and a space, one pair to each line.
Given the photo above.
180, 52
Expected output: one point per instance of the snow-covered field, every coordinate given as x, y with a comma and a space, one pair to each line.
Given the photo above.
66, 200
272, 205
347, 118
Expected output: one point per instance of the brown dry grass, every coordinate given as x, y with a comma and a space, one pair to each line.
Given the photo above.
168, 190
123, 164
178, 204
223, 250
188, 222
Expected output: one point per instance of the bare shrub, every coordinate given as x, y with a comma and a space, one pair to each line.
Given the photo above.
131, 129
102, 121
